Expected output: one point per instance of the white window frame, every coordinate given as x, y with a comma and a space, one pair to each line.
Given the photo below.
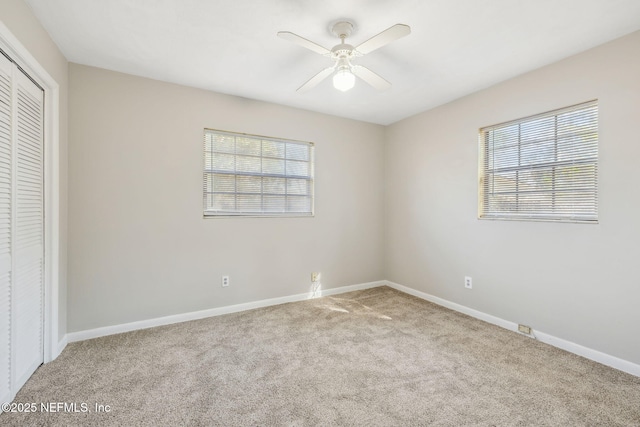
542, 167
231, 159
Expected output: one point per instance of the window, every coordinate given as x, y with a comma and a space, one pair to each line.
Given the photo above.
543, 167
249, 175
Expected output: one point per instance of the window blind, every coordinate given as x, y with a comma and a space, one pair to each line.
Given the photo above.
250, 175
541, 167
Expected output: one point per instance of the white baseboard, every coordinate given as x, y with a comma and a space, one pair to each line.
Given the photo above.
595, 355
588, 353
184, 317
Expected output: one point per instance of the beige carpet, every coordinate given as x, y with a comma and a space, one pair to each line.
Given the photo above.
368, 358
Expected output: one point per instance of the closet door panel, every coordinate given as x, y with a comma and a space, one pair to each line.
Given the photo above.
28, 248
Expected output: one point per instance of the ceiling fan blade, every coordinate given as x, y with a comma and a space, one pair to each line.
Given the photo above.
387, 36
370, 77
315, 80
304, 42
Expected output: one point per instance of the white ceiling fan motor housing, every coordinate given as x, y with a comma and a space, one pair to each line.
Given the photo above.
343, 50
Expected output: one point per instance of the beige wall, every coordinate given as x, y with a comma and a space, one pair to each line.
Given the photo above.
17, 16
578, 282
138, 245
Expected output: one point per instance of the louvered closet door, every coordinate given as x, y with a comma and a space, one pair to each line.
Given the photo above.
21, 228
28, 247
5, 227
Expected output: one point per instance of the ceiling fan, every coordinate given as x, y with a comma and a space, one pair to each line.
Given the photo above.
344, 72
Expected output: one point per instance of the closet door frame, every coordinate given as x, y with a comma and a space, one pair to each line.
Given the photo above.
53, 345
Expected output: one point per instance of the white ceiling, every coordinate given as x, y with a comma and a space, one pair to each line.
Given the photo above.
456, 47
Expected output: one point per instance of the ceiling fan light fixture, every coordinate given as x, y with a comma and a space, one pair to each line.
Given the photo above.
344, 73
344, 80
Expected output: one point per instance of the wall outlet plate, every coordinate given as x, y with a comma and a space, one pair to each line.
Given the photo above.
468, 283
315, 276
225, 281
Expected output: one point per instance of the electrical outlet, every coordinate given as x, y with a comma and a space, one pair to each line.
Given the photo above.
468, 283
524, 329
315, 276
225, 281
